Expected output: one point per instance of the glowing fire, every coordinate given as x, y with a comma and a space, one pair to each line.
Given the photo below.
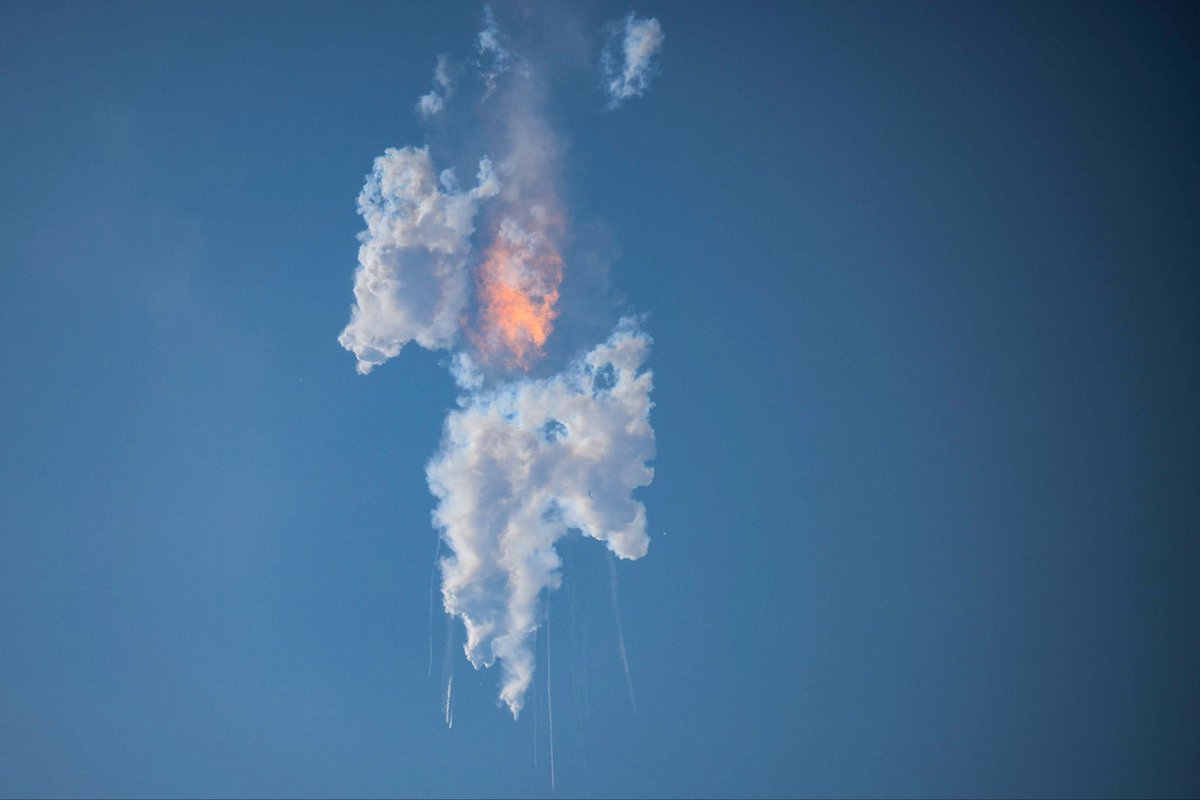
518, 288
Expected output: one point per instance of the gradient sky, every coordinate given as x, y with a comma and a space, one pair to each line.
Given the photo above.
923, 285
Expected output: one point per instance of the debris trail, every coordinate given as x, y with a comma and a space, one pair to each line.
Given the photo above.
583, 648
537, 706
616, 604
568, 574
569, 579
448, 673
549, 695
437, 554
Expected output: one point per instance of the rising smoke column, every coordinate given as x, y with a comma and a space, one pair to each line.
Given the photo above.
477, 272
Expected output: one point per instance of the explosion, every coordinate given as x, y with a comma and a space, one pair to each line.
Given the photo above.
525, 459
517, 286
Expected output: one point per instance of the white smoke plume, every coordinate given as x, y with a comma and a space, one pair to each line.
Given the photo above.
628, 60
523, 460
520, 466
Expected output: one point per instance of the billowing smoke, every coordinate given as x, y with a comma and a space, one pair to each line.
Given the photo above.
413, 277
522, 464
477, 272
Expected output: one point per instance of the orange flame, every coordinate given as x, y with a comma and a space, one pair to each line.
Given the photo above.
518, 288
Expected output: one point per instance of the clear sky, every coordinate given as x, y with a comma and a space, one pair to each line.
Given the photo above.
922, 282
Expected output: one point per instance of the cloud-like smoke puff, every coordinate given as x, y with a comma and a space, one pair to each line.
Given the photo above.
430, 104
412, 282
628, 74
521, 465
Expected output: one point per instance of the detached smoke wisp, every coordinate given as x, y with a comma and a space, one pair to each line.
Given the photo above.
430, 104
477, 272
628, 60
493, 58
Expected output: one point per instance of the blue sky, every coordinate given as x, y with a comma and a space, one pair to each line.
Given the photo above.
921, 281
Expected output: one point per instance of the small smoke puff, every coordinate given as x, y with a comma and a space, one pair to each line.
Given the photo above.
412, 281
430, 104
441, 74
627, 73
488, 42
466, 373
433, 102
521, 465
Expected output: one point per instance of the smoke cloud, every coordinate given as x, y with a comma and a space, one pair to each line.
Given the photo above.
477, 272
412, 281
520, 466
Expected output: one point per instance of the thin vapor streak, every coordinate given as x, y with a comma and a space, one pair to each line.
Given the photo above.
537, 706
583, 647
437, 554
569, 578
549, 693
616, 605
448, 671
583, 754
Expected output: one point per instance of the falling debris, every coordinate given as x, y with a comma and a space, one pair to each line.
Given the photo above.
437, 557
616, 606
549, 694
